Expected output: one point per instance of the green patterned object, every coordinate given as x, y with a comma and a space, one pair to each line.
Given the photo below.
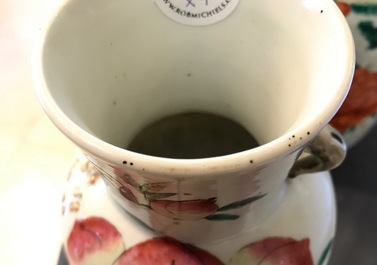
369, 31
361, 16
367, 9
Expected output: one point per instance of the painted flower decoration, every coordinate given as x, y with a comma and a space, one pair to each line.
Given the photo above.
152, 196
361, 101
94, 241
165, 250
274, 251
185, 210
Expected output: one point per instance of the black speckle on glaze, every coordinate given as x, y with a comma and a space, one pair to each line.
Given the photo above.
131, 164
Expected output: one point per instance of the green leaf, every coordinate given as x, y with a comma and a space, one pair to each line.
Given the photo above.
129, 180
325, 253
222, 217
154, 187
241, 203
151, 196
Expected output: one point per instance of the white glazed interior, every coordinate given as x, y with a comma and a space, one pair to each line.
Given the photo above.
108, 68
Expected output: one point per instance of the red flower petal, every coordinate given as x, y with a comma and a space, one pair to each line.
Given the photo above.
93, 236
275, 250
361, 100
165, 250
204, 256
184, 210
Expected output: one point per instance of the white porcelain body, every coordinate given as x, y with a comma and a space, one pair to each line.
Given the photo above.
307, 213
105, 69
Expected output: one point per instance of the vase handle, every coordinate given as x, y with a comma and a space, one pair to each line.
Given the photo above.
327, 151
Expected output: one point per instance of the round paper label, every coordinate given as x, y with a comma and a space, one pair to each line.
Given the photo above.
197, 12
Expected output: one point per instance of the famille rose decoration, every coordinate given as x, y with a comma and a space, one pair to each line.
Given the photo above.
105, 70
358, 114
151, 196
93, 236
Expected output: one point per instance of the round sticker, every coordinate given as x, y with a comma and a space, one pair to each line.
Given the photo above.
197, 12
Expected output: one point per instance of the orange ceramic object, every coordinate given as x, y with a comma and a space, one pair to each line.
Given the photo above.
361, 101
